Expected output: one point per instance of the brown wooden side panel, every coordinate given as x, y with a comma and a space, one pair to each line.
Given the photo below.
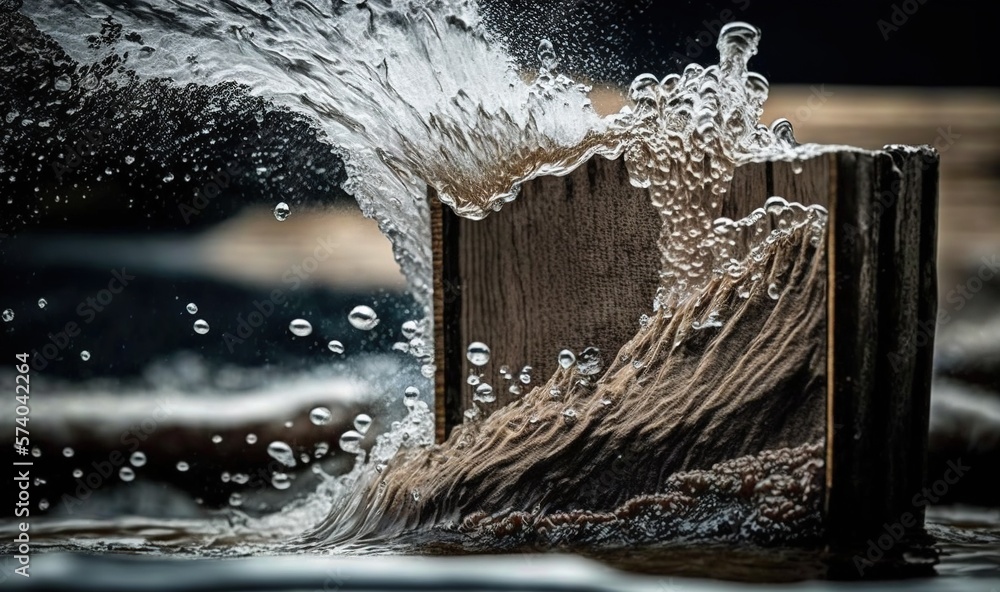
806, 182
571, 264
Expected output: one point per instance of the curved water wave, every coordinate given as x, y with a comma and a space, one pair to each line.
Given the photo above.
708, 423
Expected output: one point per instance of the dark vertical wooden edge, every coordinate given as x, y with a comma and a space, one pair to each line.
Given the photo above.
852, 273
437, 248
447, 315
883, 290
927, 162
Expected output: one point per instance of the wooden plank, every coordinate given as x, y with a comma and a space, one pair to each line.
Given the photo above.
883, 304
591, 221
572, 264
607, 230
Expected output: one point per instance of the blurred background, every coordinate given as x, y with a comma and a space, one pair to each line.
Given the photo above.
189, 217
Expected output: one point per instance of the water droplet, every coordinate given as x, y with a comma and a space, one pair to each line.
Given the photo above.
555, 392
363, 318
43, 504
526, 374
280, 481
415, 495
569, 414
484, 394
643, 89
478, 353
776, 205
182, 466
216, 439
251, 438
137, 459
68, 452
566, 359
783, 132
200, 327
773, 291
362, 422
350, 441
235, 500
168, 177
129, 159
417, 347
505, 372
281, 211
77, 473
321, 449
410, 329
289, 423
320, 416
192, 308
241, 478
514, 389
723, 225
410, 396
42, 303
126, 474
63, 83
282, 453
474, 378
84, 355
589, 361
300, 327
547, 55
36, 452
428, 370
8, 315
335, 346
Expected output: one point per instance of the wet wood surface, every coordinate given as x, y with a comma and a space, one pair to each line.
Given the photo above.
573, 264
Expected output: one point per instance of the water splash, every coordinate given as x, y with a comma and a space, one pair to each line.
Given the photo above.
682, 138
409, 92
415, 94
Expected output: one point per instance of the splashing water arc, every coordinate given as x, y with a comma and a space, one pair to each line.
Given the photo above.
409, 93
677, 417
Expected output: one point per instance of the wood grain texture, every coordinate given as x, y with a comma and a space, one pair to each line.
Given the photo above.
571, 265
884, 304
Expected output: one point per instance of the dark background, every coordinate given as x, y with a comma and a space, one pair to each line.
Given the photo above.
940, 43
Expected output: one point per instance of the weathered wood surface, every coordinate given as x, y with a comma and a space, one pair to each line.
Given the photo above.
572, 264
882, 310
